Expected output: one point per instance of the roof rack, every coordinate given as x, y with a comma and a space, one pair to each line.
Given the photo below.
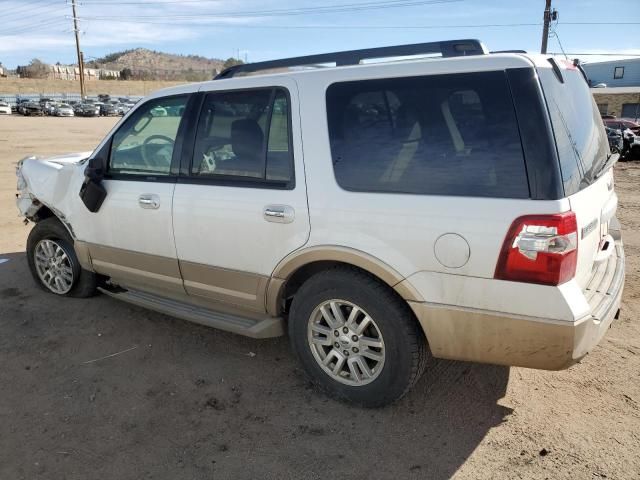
449, 48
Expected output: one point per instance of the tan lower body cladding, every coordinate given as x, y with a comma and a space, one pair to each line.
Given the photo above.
246, 290
476, 336
165, 275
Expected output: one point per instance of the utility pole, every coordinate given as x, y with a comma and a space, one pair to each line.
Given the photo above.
80, 61
545, 29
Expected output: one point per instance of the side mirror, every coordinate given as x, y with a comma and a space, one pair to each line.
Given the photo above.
92, 191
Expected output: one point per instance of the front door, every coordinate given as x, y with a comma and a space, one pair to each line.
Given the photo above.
130, 238
242, 206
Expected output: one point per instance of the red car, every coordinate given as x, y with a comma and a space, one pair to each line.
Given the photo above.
622, 124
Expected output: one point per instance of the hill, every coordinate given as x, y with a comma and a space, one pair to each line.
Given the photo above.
145, 64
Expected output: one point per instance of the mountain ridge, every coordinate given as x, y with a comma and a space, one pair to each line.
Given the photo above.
146, 64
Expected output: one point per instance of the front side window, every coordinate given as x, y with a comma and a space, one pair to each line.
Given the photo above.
144, 143
246, 135
453, 134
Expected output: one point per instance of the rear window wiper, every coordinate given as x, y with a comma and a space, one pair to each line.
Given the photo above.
611, 160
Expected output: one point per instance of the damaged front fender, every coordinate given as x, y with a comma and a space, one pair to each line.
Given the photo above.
51, 182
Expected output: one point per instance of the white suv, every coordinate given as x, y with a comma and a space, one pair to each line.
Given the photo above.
460, 207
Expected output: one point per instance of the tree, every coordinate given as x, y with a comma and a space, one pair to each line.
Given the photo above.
36, 69
126, 74
230, 62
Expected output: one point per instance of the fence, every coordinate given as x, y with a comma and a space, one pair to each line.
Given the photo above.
12, 98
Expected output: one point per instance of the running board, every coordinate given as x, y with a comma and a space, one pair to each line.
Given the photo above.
261, 327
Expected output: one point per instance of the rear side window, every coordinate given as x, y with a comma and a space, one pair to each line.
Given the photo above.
577, 126
453, 134
244, 134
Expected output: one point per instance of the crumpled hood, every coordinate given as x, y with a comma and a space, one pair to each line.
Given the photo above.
51, 181
65, 158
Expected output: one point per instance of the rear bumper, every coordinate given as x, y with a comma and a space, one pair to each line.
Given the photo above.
499, 338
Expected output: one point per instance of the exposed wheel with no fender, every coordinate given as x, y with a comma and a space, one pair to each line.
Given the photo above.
355, 338
53, 261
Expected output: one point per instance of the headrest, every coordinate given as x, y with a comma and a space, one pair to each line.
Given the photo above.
246, 138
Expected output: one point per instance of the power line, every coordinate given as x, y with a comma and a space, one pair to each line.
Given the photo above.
34, 9
152, 2
337, 27
30, 27
349, 7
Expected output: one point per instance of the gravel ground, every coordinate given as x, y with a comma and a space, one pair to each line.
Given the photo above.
185, 401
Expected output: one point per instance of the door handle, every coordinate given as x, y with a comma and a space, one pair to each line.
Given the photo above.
149, 200
279, 213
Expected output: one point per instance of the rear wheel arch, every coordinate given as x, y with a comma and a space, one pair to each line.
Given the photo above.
300, 266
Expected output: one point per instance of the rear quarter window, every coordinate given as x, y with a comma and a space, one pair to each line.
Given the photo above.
577, 127
453, 134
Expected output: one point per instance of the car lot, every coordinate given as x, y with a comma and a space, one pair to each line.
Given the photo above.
101, 389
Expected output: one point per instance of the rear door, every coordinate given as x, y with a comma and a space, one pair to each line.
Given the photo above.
241, 205
583, 150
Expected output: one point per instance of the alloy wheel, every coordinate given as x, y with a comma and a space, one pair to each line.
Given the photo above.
53, 266
346, 342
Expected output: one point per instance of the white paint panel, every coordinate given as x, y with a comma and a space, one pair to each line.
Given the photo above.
225, 227
122, 223
565, 302
401, 229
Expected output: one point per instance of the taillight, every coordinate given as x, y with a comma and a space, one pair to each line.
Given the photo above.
540, 249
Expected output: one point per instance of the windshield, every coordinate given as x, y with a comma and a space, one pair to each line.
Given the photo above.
580, 136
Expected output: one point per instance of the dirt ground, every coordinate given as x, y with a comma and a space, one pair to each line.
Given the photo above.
188, 402
94, 87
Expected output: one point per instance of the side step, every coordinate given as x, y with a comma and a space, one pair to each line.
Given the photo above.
262, 327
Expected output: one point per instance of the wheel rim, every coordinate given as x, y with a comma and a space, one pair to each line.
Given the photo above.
53, 266
346, 342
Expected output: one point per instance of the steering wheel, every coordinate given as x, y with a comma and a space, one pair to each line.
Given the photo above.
147, 156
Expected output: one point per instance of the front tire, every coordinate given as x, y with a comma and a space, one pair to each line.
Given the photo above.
53, 262
356, 339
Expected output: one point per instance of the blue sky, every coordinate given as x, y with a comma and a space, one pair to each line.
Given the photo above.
257, 28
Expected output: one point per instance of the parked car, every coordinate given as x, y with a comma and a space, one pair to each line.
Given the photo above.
86, 110
20, 105
64, 110
616, 143
49, 108
5, 108
32, 109
622, 124
108, 109
634, 148
121, 108
349, 207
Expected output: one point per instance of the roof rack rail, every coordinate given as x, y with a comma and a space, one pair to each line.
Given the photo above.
508, 51
449, 48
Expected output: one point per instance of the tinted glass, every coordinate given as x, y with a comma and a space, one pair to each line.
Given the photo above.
440, 135
577, 126
144, 143
244, 134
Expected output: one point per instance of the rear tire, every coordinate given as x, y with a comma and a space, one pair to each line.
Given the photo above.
53, 261
371, 362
